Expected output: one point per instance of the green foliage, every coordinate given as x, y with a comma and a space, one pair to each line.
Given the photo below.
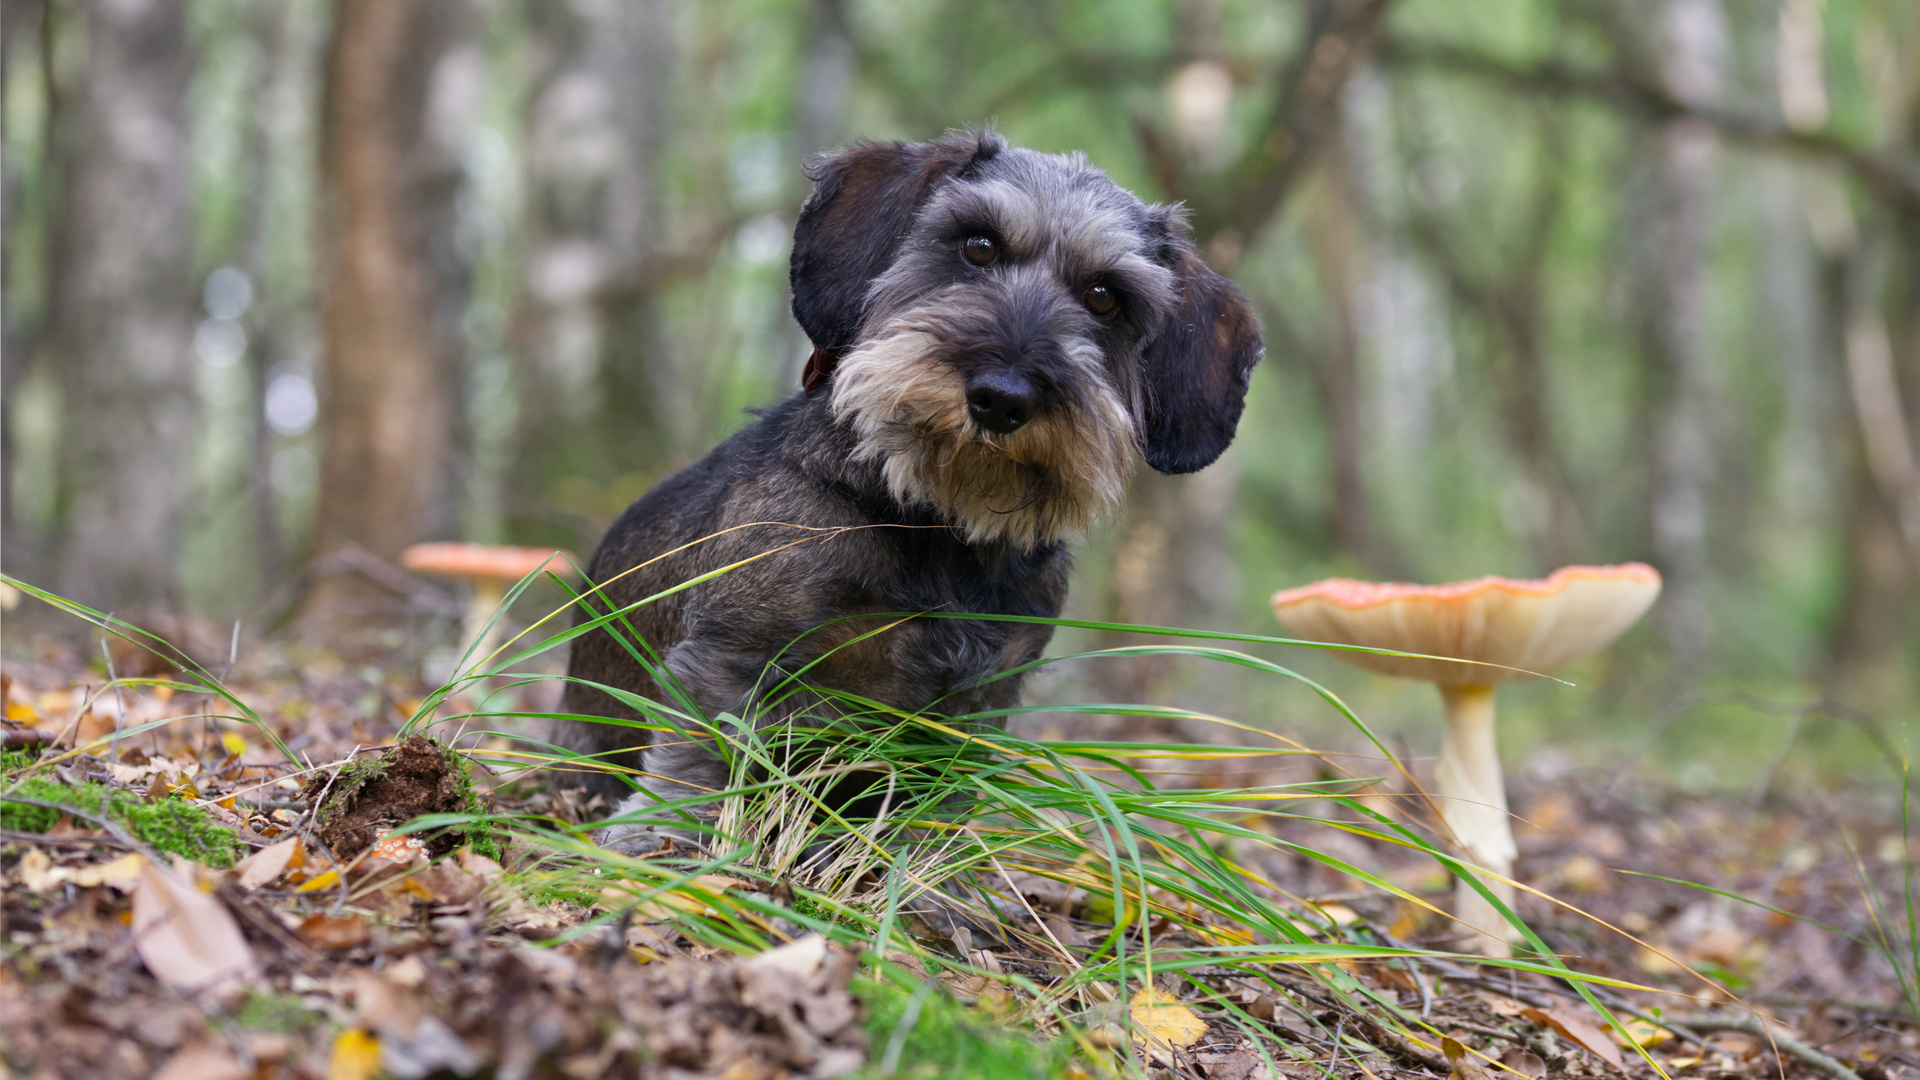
170, 826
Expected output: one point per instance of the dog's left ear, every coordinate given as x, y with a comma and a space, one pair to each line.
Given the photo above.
1197, 366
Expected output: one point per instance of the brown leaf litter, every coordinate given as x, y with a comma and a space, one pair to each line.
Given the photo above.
395, 963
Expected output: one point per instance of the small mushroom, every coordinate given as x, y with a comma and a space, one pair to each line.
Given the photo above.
1523, 627
488, 569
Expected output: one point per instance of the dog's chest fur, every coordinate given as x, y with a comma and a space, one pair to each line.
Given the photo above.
832, 547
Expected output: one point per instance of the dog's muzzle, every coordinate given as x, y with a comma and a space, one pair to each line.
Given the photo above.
1002, 401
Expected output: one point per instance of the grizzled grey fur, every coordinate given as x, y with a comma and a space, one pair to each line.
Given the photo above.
1010, 328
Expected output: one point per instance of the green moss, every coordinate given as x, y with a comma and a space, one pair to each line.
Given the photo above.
21, 817
951, 1041
12, 761
353, 776
268, 1011
169, 826
479, 833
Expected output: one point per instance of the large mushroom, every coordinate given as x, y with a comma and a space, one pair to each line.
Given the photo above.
1511, 629
488, 570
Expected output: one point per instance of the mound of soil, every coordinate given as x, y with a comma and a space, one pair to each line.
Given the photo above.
372, 795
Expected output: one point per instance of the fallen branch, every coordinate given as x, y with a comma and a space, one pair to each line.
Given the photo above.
1752, 1024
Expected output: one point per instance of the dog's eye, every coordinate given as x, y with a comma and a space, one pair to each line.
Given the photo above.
980, 250
1101, 300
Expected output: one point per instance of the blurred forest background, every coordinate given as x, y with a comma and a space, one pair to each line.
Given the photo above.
290, 284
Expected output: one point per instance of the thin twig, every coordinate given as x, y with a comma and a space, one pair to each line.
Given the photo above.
10, 836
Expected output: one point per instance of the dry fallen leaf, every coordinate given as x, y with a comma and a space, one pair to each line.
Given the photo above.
681, 900
122, 873
1336, 912
320, 881
203, 1061
1461, 1062
36, 869
263, 867
446, 883
1638, 1032
1524, 1061
1586, 1035
797, 959
336, 931
186, 938
1501, 1005
430, 1049
356, 1056
1235, 1066
1162, 1025
479, 865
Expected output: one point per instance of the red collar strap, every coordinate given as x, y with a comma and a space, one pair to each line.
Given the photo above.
819, 368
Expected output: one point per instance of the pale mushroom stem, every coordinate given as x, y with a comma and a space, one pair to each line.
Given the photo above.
484, 595
1473, 801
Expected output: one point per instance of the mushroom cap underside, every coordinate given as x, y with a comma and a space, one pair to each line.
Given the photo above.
485, 560
1534, 626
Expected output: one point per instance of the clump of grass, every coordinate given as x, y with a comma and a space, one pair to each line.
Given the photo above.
171, 826
847, 813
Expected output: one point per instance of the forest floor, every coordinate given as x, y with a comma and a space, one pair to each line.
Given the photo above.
146, 938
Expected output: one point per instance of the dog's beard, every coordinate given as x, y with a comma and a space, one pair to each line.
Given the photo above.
1053, 478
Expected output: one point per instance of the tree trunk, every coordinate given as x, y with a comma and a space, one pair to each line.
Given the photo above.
267, 25
18, 328
122, 310
595, 126
1335, 240
386, 410
1694, 51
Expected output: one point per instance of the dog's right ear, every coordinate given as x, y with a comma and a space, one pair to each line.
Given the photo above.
863, 204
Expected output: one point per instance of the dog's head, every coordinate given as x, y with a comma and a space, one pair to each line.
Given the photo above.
1008, 323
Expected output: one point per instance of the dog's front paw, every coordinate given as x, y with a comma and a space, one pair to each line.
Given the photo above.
633, 840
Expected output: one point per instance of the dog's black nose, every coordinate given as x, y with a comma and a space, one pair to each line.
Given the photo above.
1001, 401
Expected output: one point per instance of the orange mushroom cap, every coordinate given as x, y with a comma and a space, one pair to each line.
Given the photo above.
1534, 626
485, 560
